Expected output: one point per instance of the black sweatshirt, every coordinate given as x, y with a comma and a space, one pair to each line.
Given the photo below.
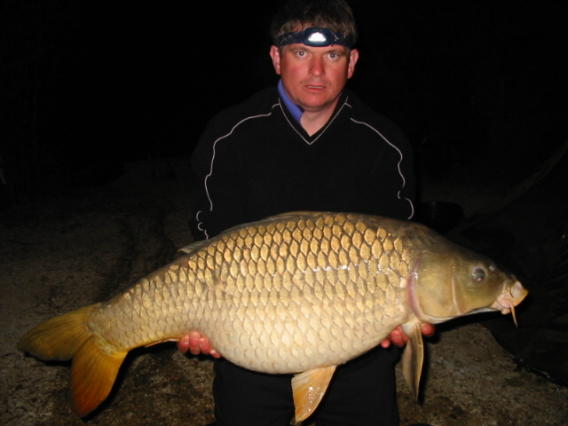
255, 160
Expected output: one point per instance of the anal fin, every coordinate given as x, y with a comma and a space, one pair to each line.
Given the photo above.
93, 373
308, 389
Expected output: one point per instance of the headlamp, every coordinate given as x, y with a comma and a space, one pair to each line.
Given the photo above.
316, 37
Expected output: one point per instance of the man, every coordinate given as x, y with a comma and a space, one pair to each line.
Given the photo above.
308, 144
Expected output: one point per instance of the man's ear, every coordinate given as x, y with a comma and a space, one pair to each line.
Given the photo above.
275, 56
353, 58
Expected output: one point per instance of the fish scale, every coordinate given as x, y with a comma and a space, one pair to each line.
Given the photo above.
296, 293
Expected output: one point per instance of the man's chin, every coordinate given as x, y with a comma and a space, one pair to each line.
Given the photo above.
318, 105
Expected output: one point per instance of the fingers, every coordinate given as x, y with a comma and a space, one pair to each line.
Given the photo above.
196, 344
399, 338
183, 344
396, 337
428, 329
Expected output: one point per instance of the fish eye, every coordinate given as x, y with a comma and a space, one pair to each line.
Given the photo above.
478, 274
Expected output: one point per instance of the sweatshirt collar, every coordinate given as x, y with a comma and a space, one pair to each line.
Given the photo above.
294, 109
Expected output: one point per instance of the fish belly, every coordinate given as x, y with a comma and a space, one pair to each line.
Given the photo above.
279, 296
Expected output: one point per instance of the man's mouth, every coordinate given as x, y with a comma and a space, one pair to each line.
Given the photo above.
314, 86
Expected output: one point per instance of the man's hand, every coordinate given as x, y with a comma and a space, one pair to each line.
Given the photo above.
197, 344
399, 337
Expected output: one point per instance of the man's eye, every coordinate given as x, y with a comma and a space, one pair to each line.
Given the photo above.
334, 56
300, 53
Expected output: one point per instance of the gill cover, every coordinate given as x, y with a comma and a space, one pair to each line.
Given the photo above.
452, 281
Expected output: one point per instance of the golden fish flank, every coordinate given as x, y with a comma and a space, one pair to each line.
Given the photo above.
295, 293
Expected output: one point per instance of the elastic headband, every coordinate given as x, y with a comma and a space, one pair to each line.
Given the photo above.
316, 37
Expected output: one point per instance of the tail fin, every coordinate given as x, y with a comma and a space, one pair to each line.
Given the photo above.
95, 362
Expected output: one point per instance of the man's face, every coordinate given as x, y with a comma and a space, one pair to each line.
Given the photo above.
314, 76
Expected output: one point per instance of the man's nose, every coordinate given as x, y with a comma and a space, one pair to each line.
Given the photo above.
316, 66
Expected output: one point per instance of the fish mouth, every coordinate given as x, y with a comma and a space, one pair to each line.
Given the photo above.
510, 297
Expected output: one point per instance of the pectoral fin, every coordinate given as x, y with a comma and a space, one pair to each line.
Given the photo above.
413, 358
309, 388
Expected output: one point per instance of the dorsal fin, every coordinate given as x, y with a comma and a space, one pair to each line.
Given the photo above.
270, 219
193, 247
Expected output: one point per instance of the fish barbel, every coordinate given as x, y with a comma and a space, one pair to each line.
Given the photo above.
297, 293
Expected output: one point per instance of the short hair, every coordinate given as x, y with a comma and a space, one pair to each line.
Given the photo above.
296, 15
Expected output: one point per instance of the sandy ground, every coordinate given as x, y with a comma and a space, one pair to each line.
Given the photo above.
90, 244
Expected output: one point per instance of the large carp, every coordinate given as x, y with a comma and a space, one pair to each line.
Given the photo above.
295, 293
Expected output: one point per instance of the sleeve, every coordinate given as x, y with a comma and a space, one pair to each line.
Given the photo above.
219, 193
393, 178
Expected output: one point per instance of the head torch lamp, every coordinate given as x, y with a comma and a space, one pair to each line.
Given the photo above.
316, 37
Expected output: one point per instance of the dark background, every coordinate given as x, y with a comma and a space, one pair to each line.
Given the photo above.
87, 88
479, 89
